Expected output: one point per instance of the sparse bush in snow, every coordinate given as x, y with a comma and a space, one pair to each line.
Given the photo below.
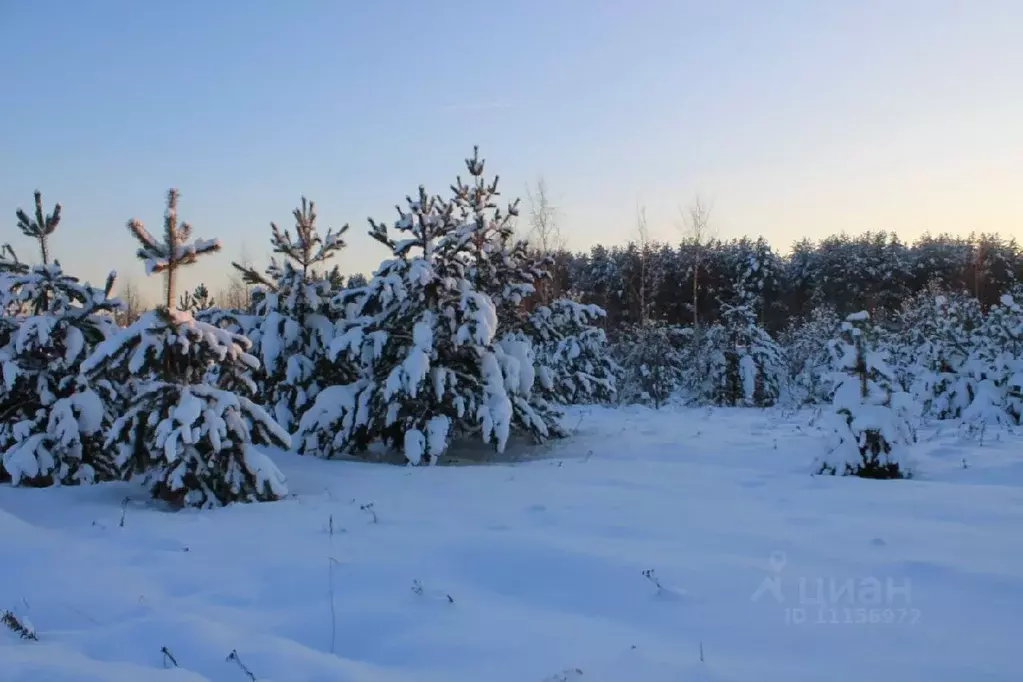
873, 417
52, 424
195, 442
435, 363
292, 324
18, 625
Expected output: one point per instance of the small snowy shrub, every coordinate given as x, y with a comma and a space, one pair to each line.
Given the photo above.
18, 625
873, 418
195, 442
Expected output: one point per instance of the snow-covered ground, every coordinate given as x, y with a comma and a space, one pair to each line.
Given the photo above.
533, 569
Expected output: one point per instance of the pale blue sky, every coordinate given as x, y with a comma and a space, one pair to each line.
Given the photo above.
796, 118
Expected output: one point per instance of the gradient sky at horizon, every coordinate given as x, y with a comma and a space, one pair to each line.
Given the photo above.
794, 118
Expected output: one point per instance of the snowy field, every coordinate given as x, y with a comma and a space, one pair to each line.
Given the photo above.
532, 569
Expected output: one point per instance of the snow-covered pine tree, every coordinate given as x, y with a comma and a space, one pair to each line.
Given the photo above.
356, 281
436, 367
204, 308
995, 367
757, 271
873, 418
10, 309
195, 442
197, 301
41, 226
51, 421
653, 359
499, 265
574, 364
741, 365
935, 344
10, 267
564, 351
508, 272
807, 346
292, 326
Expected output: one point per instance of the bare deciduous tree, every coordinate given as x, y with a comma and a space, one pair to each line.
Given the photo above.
696, 231
544, 232
237, 295
643, 234
133, 305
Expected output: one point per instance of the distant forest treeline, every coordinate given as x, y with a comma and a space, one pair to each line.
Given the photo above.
654, 281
